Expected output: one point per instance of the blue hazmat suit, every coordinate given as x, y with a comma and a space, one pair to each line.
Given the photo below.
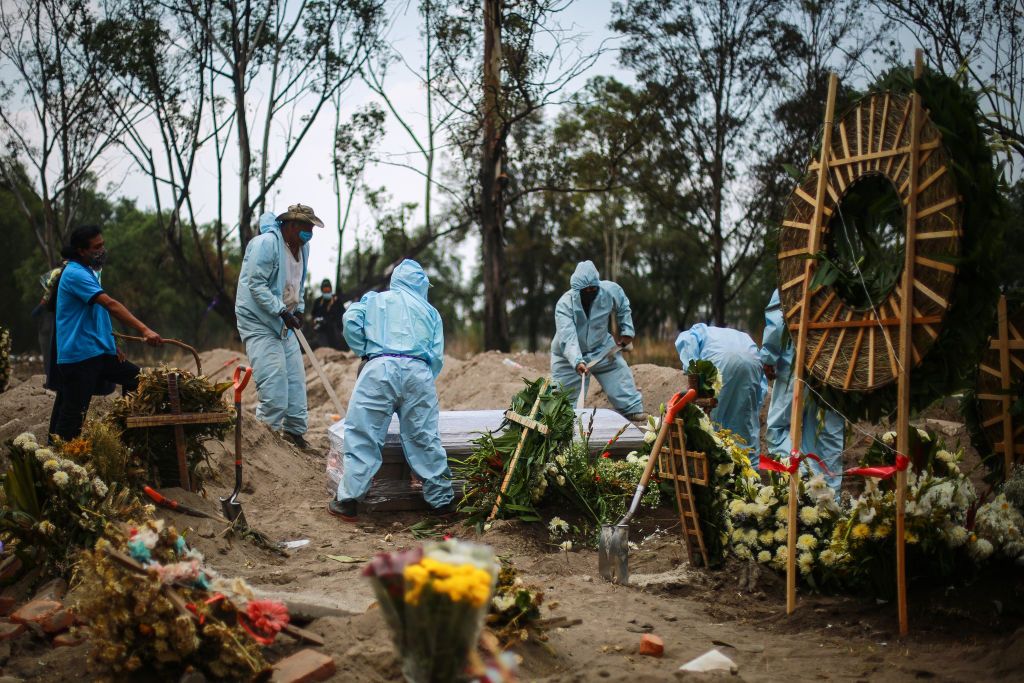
581, 338
272, 348
402, 336
744, 385
823, 437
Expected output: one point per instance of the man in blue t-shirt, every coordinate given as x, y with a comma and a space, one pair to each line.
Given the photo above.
86, 353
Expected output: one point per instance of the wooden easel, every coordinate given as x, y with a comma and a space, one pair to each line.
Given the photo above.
529, 424
177, 420
670, 462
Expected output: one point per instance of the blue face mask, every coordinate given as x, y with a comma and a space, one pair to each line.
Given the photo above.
306, 236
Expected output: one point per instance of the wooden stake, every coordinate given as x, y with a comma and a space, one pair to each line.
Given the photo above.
1004, 367
796, 419
906, 344
519, 449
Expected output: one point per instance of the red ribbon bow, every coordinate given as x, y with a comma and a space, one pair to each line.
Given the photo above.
884, 471
766, 463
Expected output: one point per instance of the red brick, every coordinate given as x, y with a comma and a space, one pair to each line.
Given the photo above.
652, 645
304, 666
68, 640
9, 630
36, 611
52, 590
61, 621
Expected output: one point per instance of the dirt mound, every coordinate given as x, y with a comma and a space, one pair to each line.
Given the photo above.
26, 408
487, 380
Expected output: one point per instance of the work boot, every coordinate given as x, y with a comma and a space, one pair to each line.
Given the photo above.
446, 511
637, 417
296, 439
346, 509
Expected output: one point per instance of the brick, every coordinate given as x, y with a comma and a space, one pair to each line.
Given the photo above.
68, 640
55, 589
9, 630
651, 645
37, 612
304, 666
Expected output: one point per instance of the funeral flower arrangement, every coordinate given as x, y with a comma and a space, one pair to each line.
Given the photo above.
434, 599
154, 607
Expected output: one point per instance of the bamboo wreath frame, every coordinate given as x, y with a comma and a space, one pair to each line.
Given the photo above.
888, 135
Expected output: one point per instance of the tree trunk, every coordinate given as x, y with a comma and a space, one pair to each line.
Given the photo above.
496, 336
244, 158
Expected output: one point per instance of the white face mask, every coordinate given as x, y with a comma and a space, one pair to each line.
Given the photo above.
326, 295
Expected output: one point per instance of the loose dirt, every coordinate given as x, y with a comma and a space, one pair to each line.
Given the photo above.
970, 632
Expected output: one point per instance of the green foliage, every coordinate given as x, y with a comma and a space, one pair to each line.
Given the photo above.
707, 374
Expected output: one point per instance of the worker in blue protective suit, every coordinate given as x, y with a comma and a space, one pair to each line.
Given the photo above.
269, 306
581, 336
400, 335
823, 429
744, 385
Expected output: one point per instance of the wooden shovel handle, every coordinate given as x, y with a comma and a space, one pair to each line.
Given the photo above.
172, 342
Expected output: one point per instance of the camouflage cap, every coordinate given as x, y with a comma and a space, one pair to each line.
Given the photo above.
301, 213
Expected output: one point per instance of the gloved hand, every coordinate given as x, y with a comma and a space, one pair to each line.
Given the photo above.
292, 321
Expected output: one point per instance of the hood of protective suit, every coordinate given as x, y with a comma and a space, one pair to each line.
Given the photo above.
586, 275
409, 277
269, 223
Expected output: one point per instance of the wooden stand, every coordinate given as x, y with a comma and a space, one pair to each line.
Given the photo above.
177, 420
690, 468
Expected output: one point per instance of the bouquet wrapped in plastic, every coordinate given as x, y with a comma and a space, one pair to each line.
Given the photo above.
435, 599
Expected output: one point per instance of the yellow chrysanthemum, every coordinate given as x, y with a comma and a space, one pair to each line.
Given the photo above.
882, 531
861, 531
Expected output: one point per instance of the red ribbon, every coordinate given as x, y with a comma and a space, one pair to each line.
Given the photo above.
766, 463
882, 472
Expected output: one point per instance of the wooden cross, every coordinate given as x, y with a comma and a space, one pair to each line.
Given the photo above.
177, 420
529, 424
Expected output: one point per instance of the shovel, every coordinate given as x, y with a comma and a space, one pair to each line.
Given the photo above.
613, 546
315, 362
230, 505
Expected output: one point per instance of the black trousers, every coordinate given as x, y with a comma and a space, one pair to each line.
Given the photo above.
78, 382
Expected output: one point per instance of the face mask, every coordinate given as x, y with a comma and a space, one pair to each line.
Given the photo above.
98, 259
305, 236
326, 295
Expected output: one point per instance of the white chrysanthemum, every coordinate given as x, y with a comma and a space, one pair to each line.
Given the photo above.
780, 535
99, 487
44, 454
737, 507
26, 441
51, 465
560, 459
889, 438
809, 516
61, 479
750, 538
827, 557
980, 549
724, 470
565, 545
782, 514
805, 561
557, 525
552, 469
781, 553
766, 495
764, 556
649, 437
1014, 549
742, 552
560, 479
503, 602
79, 474
766, 538
867, 515
806, 542
632, 458
738, 535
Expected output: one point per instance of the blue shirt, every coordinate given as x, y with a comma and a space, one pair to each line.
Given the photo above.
84, 330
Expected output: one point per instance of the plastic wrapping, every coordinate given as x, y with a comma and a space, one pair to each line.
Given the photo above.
395, 487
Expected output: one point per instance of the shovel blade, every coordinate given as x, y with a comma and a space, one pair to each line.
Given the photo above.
613, 553
232, 510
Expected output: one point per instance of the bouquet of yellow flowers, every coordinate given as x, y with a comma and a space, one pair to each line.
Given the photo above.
435, 600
